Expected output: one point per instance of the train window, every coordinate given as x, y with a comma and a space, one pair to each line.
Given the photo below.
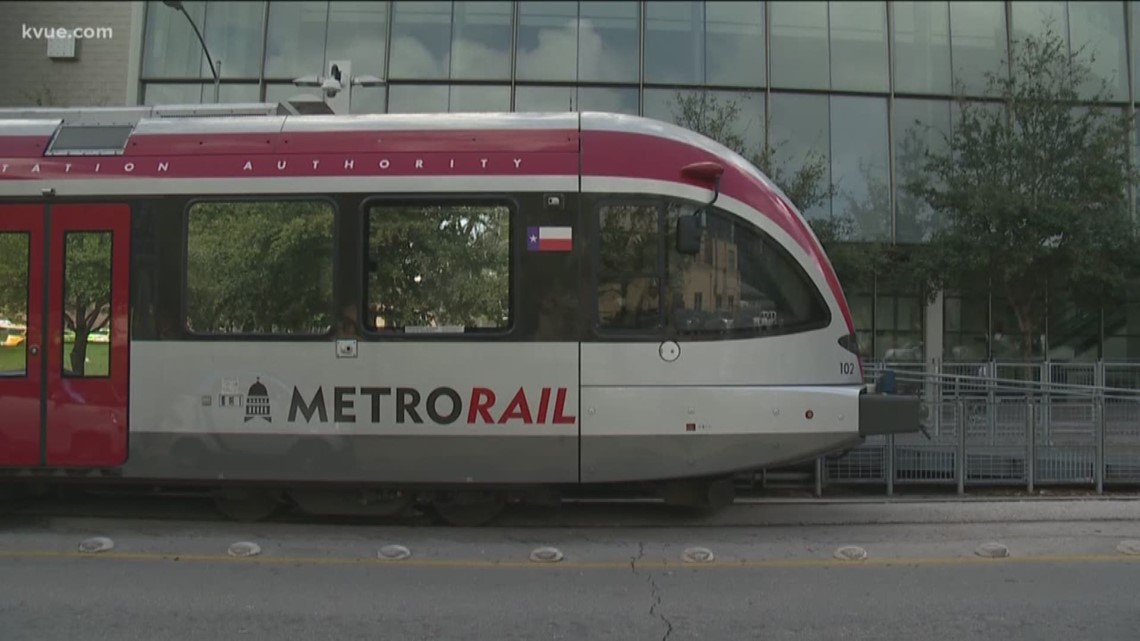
741, 281
259, 267
629, 266
87, 304
13, 303
438, 267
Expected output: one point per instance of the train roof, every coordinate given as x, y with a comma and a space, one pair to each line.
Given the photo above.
52, 131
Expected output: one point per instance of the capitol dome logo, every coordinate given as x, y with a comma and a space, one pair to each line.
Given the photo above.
257, 403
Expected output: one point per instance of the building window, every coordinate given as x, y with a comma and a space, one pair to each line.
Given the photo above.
259, 267
438, 267
977, 43
922, 47
766, 290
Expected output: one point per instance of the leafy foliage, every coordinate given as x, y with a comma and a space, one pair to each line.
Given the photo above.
13, 276
436, 266
86, 290
260, 267
1032, 197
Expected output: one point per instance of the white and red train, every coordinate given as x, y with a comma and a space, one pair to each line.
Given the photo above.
446, 308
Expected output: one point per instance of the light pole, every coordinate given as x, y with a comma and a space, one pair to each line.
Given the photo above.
175, 4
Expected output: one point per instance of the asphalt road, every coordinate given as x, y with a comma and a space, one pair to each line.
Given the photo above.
1070, 574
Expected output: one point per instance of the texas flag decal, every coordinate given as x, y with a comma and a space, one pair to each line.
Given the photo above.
549, 239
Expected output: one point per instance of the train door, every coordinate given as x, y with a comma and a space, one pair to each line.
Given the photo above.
64, 353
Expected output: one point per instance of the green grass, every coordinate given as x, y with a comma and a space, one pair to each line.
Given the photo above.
12, 360
98, 358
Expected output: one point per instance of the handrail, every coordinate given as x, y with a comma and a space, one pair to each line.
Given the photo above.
977, 384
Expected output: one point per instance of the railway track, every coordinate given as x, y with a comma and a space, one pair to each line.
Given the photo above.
599, 510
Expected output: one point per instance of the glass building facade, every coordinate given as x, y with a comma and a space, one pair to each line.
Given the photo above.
842, 79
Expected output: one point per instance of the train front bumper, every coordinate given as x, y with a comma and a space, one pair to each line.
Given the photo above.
889, 414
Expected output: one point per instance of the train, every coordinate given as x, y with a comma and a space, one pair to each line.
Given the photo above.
370, 313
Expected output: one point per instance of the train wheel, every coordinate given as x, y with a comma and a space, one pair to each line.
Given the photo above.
469, 509
702, 495
7, 498
349, 503
247, 505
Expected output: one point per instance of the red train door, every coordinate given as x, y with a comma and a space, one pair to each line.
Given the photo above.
64, 292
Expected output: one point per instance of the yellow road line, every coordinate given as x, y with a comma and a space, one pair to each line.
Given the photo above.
571, 565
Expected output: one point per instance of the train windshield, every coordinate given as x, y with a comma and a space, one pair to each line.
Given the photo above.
742, 281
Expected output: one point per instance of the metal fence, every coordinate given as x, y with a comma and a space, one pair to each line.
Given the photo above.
1004, 424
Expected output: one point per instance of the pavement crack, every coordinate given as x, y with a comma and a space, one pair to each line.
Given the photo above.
640, 554
654, 593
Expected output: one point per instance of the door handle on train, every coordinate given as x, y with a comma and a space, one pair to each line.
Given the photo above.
34, 349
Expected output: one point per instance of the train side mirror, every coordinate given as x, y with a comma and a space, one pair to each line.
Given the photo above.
689, 234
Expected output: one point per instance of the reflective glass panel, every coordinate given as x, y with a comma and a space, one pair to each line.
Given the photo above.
171, 48
155, 93
479, 98
800, 126
612, 99
859, 165
411, 99
548, 41
922, 47
800, 52
733, 118
608, 39
674, 42
859, 46
296, 43
280, 92
368, 100
977, 43
1099, 27
191, 94
233, 33
421, 40
919, 127
1032, 18
529, 98
481, 41
734, 44
357, 32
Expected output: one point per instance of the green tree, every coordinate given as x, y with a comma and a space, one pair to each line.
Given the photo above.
86, 291
14, 277
439, 265
1031, 194
260, 267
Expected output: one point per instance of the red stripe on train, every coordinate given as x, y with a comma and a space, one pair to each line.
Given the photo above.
365, 141
23, 146
294, 165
